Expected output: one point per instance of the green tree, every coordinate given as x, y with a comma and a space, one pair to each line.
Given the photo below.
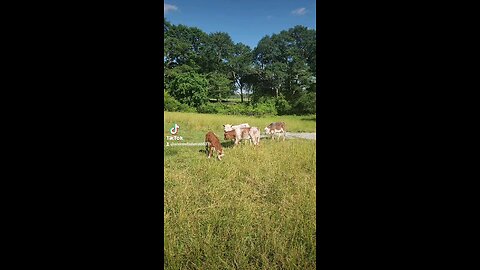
280, 69
219, 86
241, 66
190, 88
217, 53
306, 104
285, 65
183, 45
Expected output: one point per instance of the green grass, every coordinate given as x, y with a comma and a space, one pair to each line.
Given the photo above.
194, 126
255, 209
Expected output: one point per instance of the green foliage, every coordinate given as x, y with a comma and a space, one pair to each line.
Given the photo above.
171, 73
190, 88
241, 67
285, 65
265, 106
219, 86
240, 109
217, 53
260, 109
212, 108
282, 105
306, 104
173, 105
281, 67
183, 45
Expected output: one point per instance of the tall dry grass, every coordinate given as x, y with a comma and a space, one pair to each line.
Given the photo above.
255, 209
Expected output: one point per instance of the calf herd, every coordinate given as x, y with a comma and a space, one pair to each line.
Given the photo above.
239, 133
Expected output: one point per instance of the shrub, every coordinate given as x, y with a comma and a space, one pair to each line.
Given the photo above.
306, 104
190, 88
170, 103
265, 106
238, 109
211, 108
282, 106
173, 105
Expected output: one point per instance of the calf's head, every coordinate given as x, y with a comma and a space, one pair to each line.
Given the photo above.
227, 127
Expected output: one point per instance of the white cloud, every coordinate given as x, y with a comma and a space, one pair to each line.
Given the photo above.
299, 11
168, 7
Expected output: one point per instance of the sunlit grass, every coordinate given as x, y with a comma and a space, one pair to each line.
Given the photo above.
191, 123
255, 209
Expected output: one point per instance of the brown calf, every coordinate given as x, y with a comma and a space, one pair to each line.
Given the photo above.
229, 135
213, 143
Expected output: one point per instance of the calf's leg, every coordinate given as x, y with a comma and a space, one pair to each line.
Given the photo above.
211, 151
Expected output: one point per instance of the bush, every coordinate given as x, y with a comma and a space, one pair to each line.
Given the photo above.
282, 106
265, 106
186, 108
173, 105
190, 88
238, 109
170, 103
306, 104
211, 108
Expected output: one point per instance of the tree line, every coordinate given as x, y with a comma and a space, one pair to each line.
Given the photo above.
279, 74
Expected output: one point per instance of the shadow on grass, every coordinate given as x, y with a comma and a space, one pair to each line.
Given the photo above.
203, 151
169, 151
227, 144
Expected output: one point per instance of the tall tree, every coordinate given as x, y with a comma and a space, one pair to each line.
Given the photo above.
281, 66
241, 65
190, 88
285, 63
217, 53
219, 86
183, 45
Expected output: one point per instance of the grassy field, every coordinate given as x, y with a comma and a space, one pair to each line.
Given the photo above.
194, 126
255, 209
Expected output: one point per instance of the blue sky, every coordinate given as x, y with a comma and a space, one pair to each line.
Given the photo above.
246, 21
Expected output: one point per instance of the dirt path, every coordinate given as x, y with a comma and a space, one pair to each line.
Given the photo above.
302, 135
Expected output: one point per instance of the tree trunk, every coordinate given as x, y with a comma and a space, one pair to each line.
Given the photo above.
241, 93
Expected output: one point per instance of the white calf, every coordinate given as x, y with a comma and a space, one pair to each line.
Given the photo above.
255, 135
228, 127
